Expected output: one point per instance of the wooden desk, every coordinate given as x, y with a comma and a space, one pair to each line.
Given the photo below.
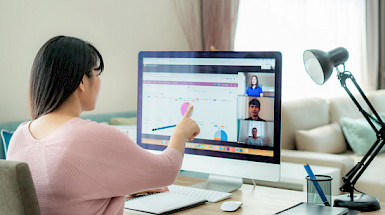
258, 200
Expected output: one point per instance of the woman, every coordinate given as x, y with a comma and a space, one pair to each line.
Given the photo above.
254, 89
79, 166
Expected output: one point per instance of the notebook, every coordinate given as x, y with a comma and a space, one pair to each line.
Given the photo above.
162, 203
304, 208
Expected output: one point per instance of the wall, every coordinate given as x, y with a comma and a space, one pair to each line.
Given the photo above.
118, 28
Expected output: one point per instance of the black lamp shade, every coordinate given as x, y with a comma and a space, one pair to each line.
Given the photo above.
319, 64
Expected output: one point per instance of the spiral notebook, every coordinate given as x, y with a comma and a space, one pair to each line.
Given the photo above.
306, 208
162, 203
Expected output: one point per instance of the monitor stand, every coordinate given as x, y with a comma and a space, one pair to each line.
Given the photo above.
220, 183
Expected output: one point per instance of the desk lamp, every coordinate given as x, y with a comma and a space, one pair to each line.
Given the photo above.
319, 65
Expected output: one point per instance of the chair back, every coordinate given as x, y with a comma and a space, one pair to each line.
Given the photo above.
17, 191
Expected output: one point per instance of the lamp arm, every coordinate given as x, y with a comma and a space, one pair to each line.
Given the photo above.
350, 179
343, 76
377, 146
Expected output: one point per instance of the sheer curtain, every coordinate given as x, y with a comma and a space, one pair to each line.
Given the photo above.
219, 19
381, 20
208, 23
292, 26
189, 16
370, 80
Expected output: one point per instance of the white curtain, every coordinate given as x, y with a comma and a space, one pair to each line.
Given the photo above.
189, 16
371, 73
293, 26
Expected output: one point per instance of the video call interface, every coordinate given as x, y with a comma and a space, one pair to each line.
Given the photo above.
233, 99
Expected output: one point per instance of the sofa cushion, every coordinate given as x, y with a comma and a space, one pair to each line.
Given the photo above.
6, 138
106, 117
9, 126
359, 135
372, 180
302, 115
326, 139
123, 121
377, 99
344, 162
344, 107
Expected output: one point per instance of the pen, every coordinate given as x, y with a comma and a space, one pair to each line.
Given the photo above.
316, 184
169, 126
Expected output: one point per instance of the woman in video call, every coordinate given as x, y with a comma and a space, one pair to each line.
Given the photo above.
80, 166
254, 89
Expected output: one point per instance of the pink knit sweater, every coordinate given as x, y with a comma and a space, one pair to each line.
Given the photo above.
87, 168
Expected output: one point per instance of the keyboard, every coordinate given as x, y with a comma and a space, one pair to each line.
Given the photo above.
209, 195
130, 130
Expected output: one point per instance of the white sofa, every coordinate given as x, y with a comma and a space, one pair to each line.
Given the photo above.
315, 131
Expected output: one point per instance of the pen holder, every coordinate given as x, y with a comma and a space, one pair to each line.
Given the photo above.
325, 183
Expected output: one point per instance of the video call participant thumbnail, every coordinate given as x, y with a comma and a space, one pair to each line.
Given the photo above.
254, 108
254, 140
254, 89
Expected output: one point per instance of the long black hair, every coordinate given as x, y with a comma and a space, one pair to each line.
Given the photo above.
251, 82
58, 70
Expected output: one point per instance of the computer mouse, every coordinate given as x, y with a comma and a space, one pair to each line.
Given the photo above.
231, 206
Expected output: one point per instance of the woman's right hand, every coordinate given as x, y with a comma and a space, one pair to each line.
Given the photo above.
187, 127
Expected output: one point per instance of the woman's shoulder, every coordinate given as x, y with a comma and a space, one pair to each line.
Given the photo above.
23, 125
21, 129
93, 135
76, 129
94, 128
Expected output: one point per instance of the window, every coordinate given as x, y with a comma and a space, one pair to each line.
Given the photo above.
292, 26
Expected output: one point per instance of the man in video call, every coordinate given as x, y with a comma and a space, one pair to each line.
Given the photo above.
254, 140
254, 108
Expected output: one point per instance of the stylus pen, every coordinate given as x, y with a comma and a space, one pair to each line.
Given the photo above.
316, 184
170, 126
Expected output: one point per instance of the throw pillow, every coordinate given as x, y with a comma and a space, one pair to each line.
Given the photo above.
123, 121
326, 139
359, 135
5, 138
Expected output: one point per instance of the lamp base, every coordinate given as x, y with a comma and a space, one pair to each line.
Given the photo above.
361, 202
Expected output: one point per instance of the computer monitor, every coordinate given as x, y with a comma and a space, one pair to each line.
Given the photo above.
239, 119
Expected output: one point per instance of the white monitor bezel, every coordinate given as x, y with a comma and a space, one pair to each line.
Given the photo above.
268, 171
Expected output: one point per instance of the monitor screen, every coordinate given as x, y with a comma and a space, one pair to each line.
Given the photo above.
236, 98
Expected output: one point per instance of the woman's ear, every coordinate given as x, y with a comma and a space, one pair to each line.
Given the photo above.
82, 87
